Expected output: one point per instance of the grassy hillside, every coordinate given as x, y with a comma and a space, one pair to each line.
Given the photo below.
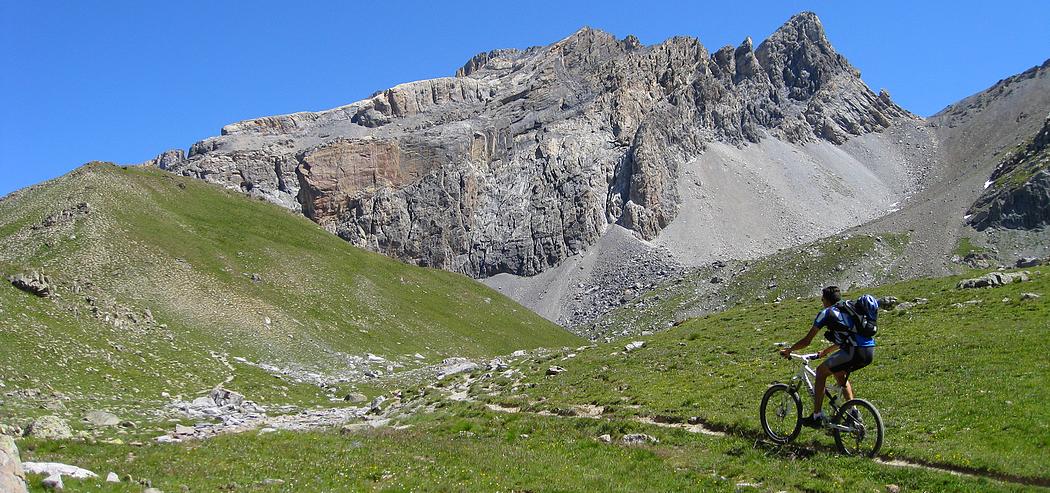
845, 260
468, 448
161, 281
961, 380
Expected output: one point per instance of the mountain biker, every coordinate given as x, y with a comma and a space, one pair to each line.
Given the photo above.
852, 351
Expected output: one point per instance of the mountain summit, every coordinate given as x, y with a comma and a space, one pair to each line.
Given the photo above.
526, 156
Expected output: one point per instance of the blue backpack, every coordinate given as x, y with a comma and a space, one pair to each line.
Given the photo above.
864, 312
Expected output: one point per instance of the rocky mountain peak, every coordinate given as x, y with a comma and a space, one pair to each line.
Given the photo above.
799, 57
527, 155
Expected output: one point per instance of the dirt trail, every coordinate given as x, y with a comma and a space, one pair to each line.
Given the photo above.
695, 426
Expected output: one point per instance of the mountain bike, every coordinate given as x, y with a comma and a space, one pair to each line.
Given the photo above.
855, 424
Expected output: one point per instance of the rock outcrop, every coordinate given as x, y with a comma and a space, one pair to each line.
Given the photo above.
50, 428
33, 282
1018, 192
526, 156
12, 475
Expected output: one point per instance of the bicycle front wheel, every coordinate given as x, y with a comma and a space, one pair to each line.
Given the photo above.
858, 428
781, 413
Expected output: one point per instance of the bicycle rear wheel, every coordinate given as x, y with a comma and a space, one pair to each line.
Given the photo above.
865, 430
781, 413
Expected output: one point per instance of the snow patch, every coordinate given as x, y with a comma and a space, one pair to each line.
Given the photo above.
987, 184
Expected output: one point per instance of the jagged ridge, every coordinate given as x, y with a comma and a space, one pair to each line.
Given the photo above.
525, 157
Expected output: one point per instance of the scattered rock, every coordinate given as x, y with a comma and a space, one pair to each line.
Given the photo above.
50, 428
453, 366
184, 430
606, 438
355, 397
354, 428
638, 439
101, 418
112, 477
888, 302
1030, 296
375, 406
633, 346
993, 279
34, 282
57, 468
223, 397
1024, 262
555, 370
53, 482
892, 488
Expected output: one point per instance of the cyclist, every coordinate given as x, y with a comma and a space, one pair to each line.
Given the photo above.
852, 352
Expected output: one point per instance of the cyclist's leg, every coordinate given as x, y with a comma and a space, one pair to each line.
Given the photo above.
861, 357
847, 388
818, 386
837, 364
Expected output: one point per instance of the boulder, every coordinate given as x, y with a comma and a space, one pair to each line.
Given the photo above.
634, 346
12, 475
639, 438
101, 418
53, 483
354, 428
993, 279
555, 370
1024, 262
888, 302
454, 366
33, 282
355, 397
58, 468
50, 428
112, 477
223, 397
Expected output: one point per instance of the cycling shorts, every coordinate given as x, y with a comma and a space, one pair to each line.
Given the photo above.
850, 359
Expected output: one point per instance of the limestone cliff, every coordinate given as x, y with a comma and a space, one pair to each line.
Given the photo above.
526, 156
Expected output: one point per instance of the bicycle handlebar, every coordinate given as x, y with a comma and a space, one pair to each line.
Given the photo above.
803, 357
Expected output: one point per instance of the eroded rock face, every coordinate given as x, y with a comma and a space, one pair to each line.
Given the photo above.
1018, 193
526, 156
12, 476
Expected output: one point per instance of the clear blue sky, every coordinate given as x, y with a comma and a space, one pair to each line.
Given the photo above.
124, 80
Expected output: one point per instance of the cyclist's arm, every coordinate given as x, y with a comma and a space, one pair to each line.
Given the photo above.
804, 342
828, 350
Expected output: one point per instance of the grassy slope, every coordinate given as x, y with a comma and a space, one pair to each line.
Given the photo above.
471, 449
796, 272
963, 386
957, 386
185, 250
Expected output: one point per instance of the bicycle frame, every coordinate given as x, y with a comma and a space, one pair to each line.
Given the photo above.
808, 375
